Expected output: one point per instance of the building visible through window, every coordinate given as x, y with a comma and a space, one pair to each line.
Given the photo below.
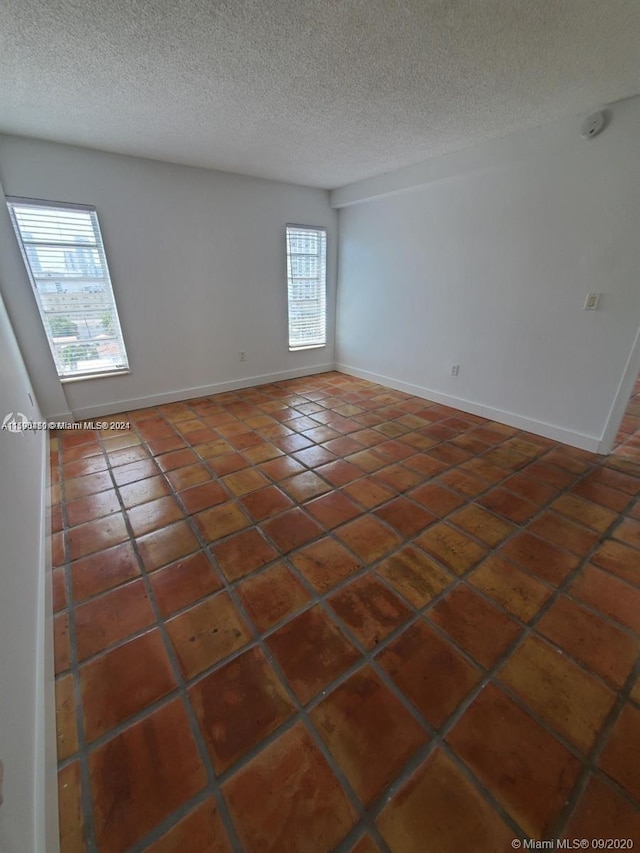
64, 255
307, 286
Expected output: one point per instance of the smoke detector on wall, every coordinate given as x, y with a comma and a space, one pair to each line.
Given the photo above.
593, 125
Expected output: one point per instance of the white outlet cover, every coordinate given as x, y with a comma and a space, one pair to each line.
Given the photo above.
592, 302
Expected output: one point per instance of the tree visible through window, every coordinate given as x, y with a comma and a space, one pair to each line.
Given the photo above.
64, 255
307, 286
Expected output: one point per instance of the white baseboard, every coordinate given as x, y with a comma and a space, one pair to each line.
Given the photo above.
45, 792
556, 433
93, 412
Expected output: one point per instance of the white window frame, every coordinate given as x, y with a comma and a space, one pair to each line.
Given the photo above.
69, 371
297, 342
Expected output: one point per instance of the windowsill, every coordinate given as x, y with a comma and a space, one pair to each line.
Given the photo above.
69, 379
311, 346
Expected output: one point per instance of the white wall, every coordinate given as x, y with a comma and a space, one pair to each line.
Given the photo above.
483, 258
197, 259
28, 817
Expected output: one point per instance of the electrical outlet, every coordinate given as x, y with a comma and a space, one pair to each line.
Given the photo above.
592, 302
242, 355
455, 369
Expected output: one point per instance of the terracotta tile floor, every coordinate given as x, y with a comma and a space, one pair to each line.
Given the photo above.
322, 615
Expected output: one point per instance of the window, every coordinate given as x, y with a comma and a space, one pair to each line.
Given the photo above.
64, 256
307, 286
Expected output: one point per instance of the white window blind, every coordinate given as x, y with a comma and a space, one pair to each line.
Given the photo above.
64, 255
307, 286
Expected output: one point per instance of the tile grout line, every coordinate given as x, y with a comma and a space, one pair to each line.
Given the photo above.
321, 599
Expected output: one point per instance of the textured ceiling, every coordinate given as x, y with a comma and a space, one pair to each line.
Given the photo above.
318, 92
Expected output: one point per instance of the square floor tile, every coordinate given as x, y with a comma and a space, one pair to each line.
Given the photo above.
166, 545
143, 775
61, 647
333, 509
243, 553
483, 631
601, 494
91, 507
513, 507
440, 811
436, 499
398, 477
618, 559
463, 482
58, 557
367, 460
606, 650
368, 538
531, 488
58, 589
368, 492
122, 682
126, 455
405, 516
603, 813
339, 472
423, 464
369, 732
455, 550
152, 515
574, 703
111, 617
70, 809
266, 502
91, 484
66, 726
304, 486
292, 529
313, 457
262, 452
274, 800
184, 582
245, 481
125, 474
204, 496
221, 521
584, 512
325, 563
103, 570
549, 562
370, 609
366, 844
414, 575
620, 758
201, 829
526, 769
429, 671
270, 596
142, 491
485, 526
312, 652
615, 480
238, 705
564, 533
280, 469
628, 532
207, 633
395, 450
608, 594
227, 464
518, 592
96, 536
176, 459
